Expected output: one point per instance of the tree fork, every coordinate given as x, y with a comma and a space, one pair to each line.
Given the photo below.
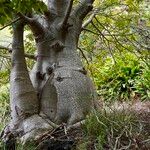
37, 29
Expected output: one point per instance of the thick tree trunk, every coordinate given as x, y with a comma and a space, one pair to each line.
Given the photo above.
61, 91
23, 99
59, 77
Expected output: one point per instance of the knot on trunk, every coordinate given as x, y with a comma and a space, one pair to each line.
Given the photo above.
40, 75
50, 69
57, 45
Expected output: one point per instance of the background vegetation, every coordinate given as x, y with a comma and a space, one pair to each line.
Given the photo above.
115, 49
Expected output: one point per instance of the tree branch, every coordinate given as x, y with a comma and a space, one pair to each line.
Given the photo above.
6, 48
84, 7
65, 20
57, 7
10, 51
83, 55
84, 29
108, 42
5, 56
37, 29
10, 23
88, 21
29, 56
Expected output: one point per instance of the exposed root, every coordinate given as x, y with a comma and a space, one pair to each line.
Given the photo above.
27, 130
43, 116
39, 129
76, 125
59, 138
33, 127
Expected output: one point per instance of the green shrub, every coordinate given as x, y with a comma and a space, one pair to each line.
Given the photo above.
142, 84
122, 80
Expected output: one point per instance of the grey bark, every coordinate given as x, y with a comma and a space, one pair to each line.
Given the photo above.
61, 91
23, 99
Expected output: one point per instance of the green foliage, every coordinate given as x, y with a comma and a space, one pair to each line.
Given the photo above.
9, 7
142, 84
4, 108
4, 77
4, 105
117, 48
30, 48
122, 80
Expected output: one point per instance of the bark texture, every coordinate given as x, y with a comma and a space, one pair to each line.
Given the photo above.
58, 89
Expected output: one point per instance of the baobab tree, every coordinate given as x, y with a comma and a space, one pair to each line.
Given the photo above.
58, 89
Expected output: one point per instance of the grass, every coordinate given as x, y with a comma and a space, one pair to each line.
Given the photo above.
116, 130
4, 109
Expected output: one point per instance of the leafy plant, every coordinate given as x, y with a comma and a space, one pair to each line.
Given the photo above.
142, 84
122, 80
